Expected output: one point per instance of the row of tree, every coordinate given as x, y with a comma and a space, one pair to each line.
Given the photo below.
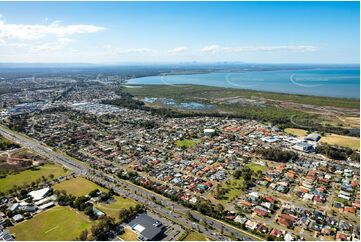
277, 154
338, 153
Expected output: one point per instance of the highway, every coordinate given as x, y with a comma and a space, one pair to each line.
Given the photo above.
170, 209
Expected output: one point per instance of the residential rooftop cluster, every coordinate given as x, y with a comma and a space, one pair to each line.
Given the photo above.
191, 158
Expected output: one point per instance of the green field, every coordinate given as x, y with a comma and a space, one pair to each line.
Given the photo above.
234, 189
181, 92
78, 186
58, 223
194, 236
187, 143
113, 208
296, 132
128, 235
340, 140
30, 175
254, 167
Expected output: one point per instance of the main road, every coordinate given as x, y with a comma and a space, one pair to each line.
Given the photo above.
168, 208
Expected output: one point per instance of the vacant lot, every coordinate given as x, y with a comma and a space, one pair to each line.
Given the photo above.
77, 186
296, 132
58, 223
255, 167
340, 140
186, 143
194, 236
234, 189
128, 235
112, 209
30, 175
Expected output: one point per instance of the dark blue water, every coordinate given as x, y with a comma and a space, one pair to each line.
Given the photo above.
317, 82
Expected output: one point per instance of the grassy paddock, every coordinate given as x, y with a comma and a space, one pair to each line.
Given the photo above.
128, 235
296, 132
78, 186
234, 189
340, 140
58, 223
187, 143
113, 208
30, 175
254, 167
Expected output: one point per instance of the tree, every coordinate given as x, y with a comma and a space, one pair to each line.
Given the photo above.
83, 235
89, 211
94, 193
103, 229
124, 214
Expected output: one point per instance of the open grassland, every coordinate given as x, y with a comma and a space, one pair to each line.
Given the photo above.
194, 236
58, 223
296, 132
31, 175
187, 143
255, 167
198, 91
340, 140
128, 235
234, 189
112, 209
353, 122
78, 186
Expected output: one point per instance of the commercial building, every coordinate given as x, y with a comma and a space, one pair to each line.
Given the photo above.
147, 228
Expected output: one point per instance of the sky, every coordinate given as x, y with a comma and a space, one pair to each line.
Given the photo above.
158, 32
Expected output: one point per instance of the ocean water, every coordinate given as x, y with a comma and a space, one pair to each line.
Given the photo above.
316, 82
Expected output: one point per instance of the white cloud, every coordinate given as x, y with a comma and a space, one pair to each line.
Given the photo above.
119, 51
217, 48
58, 45
37, 31
178, 49
130, 51
211, 48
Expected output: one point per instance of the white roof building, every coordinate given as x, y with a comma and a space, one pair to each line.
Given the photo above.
39, 194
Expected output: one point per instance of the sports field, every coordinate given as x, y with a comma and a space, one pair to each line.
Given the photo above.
296, 132
78, 186
30, 175
58, 223
113, 208
340, 140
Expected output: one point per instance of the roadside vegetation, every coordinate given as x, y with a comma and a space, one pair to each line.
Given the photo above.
6, 144
195, 236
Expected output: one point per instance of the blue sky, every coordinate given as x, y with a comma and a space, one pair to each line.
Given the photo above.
122, 32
